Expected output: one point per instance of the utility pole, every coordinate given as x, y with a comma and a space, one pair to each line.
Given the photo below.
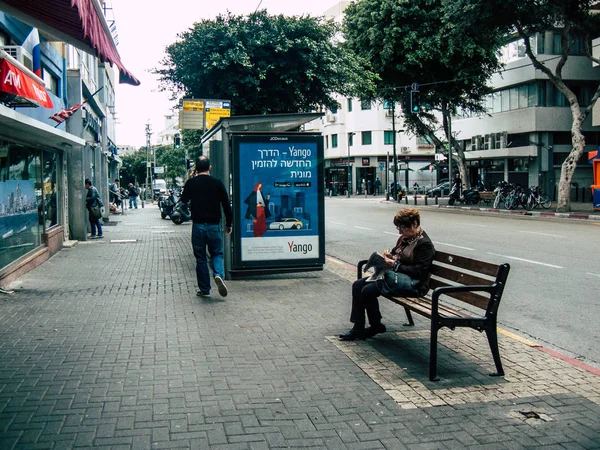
450, 179
148, 164
395, 157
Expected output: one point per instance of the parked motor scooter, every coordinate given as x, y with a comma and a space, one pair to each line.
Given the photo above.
469, 196
181, 213
167, 203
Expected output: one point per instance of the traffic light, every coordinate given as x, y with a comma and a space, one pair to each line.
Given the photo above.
177, 141
406, 102
189, 163
415, 102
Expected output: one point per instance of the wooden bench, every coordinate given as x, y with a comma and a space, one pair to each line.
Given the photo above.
487, 196
457, 280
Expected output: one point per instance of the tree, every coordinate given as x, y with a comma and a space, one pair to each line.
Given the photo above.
173, 159
264, 64
133, 168
408, 42
573, 19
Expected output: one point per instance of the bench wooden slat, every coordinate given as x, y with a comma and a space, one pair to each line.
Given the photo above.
467, 263
422, 307
472, 298
458, 277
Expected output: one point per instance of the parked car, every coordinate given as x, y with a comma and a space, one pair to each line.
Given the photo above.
440, 190
286, 224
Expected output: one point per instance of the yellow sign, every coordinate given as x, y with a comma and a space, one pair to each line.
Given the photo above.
193, 105
214, 114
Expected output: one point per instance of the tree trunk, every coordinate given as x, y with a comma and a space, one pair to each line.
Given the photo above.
570, 164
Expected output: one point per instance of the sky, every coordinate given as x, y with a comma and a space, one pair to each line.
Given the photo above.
145, 31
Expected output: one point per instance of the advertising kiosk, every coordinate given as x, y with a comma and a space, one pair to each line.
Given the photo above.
275, 176
596, 186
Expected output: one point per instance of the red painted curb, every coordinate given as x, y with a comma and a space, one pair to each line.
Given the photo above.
572, 361
579, 216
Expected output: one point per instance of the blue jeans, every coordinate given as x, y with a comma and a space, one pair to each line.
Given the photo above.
133, 202
206, 236
96, 225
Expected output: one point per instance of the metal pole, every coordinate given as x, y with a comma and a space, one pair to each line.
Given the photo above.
387, 181
148, 134
450, 179
395, 162
348, 167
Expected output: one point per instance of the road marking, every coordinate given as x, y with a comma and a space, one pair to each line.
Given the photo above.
541, 234
393, 234
593, 274
526, 260
363, 228
455, 246
336, 223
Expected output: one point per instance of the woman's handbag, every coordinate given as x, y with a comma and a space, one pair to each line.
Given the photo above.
96, 211
397, 283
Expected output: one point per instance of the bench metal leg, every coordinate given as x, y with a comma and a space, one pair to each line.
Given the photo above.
433, 353
492, 336
409, 317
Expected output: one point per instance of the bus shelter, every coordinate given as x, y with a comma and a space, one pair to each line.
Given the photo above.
274, 173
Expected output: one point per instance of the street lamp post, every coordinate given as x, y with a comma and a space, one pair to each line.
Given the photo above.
350, 141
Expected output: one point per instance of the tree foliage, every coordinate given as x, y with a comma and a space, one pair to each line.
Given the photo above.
263, 64
419, 41
524, 18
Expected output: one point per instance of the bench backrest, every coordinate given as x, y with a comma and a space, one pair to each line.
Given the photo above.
455, 270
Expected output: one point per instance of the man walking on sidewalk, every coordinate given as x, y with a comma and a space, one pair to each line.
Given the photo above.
208, 195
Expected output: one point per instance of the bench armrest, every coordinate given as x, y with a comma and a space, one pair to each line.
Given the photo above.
449, 289
359, 266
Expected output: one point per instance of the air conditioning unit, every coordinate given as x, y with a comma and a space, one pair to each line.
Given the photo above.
330, 118
20, 54
404, 149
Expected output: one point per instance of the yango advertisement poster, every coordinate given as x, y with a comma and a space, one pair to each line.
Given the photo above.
279, 203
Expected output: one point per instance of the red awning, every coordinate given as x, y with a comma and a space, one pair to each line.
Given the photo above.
18, 84
78, 22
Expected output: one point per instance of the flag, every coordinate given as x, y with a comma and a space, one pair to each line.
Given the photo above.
32, 45
65, 113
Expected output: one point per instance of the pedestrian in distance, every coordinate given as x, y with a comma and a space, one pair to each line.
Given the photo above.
405, 272
94, 205
133, 196
208, 197
377, 186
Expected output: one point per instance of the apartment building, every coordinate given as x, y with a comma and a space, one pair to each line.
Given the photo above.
526, 135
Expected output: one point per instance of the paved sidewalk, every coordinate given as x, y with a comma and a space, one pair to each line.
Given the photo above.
107, 346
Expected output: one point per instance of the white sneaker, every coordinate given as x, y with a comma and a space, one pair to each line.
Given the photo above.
221, 286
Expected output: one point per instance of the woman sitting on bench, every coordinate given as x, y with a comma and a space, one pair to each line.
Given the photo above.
407, 274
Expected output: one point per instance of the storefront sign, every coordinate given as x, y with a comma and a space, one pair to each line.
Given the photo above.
279, 197
15, 81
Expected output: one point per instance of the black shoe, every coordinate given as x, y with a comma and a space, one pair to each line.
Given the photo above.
353, 334
375, 329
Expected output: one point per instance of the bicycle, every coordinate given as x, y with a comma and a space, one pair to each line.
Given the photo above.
502, 191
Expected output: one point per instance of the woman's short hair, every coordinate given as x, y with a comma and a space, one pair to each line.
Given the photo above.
406, 217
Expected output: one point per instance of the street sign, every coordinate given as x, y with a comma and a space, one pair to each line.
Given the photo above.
414, 87
159, 170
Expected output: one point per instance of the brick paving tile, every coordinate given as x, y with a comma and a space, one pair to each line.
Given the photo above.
107, 346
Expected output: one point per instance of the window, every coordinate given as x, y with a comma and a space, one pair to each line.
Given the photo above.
387, 104
388, 137
50, 81
334, 110
334, 141
365, 105
349, 105
350, 139
366, 138
326, 141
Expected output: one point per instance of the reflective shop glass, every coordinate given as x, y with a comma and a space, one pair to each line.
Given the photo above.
21, 206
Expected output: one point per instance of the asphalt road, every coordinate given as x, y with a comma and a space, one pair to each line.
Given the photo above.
553, 292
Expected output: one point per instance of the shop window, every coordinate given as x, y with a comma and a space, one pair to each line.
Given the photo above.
21, 214
50, 189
